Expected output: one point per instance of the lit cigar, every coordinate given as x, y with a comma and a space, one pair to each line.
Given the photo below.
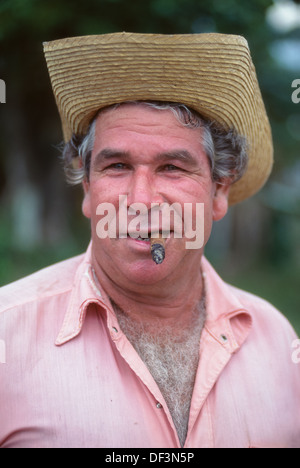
158, 249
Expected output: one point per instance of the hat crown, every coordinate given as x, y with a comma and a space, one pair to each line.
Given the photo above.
211, 73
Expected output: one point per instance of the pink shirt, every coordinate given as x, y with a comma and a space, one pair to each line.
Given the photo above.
70, 378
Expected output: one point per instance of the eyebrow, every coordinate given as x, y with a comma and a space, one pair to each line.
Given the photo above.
107, 153
181, 155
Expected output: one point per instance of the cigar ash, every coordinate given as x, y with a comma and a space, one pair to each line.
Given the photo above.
158, 250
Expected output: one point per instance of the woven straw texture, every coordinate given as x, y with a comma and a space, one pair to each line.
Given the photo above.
211, 73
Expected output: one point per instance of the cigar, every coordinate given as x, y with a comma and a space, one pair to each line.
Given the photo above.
158, 249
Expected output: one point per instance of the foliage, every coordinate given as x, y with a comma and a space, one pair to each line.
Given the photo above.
25, 24
30, 124
45, 17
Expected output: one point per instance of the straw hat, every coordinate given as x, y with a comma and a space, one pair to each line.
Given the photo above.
211, 73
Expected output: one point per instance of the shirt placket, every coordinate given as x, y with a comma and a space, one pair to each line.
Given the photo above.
132, 358
215, 352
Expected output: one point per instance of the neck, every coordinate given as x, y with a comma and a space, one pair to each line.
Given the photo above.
169, 301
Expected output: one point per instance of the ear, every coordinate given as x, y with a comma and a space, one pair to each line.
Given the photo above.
86, 203
220, 200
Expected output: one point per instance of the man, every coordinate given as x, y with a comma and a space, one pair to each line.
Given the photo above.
111, 349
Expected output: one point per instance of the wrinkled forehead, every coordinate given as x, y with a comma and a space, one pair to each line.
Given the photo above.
133, 124
183, 115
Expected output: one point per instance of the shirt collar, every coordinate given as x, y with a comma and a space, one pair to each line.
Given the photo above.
227, 320
85, 291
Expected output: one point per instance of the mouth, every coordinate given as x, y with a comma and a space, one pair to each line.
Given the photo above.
142, 239
146, 237
151, 233
153, 245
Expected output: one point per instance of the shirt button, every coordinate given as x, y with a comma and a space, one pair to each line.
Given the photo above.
224, 338
158, 405
113, 333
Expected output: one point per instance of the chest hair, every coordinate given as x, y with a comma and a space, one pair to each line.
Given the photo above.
171, 357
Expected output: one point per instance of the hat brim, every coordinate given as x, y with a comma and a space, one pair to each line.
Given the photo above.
211, 73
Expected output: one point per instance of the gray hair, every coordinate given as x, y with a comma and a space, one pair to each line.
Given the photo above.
227, 151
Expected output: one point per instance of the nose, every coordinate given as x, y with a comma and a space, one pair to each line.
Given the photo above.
143, 188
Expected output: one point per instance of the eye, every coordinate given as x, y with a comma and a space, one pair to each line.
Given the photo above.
117, 166
172, 168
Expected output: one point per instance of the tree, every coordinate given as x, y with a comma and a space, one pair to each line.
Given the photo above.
29, 120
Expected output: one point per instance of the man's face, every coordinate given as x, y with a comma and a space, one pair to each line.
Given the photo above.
149, 157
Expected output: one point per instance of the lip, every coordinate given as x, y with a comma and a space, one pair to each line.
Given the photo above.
139, 245
157, 232
142, 245
139, 241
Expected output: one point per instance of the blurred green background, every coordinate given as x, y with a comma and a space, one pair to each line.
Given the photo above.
256, 246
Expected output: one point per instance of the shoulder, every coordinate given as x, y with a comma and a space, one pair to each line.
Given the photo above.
259, 306
48, 282
268, 322
271, 330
